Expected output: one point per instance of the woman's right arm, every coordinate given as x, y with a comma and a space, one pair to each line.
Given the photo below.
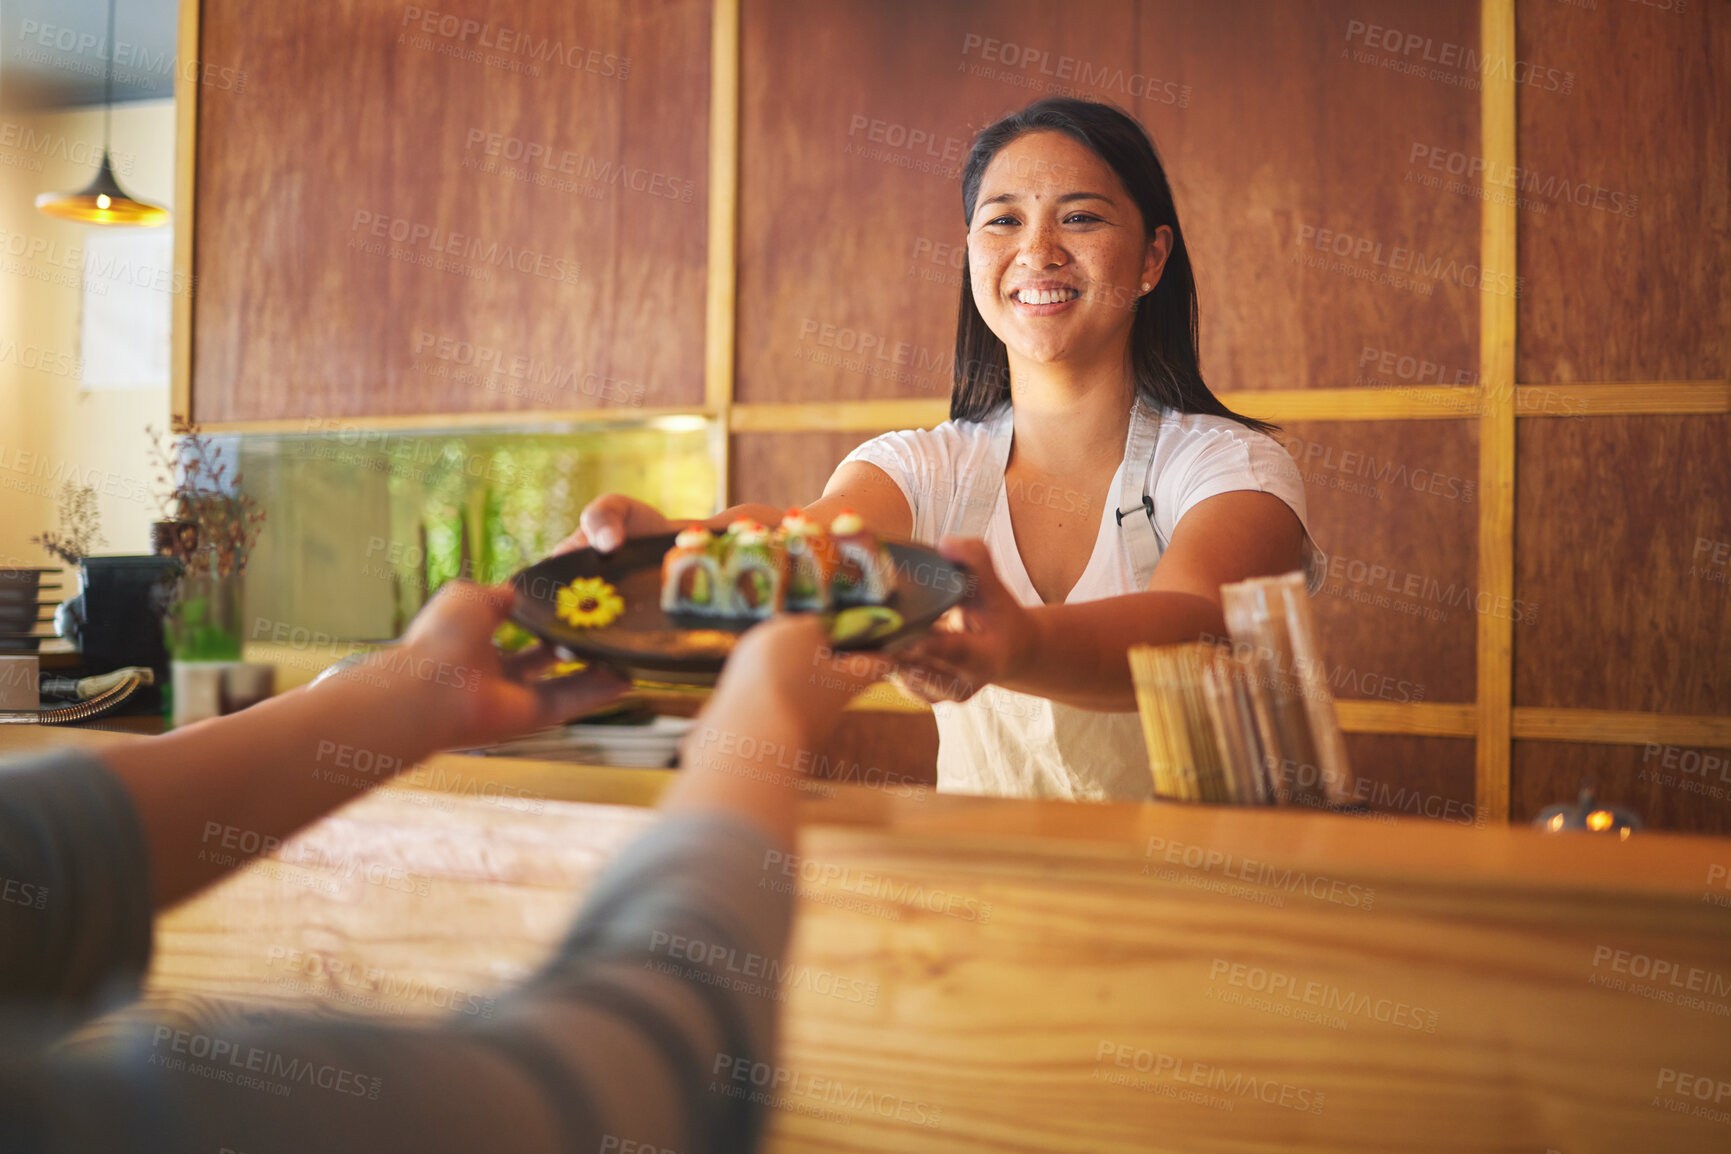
612, 518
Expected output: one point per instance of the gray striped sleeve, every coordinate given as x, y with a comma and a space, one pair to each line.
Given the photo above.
629, 1039
75, 905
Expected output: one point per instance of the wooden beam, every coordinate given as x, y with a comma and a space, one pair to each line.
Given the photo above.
1418, 403
721, 304
1497, 317
910, 413
838, 416
1614, 727
1631, 399
536, 421
1418, 719
1410, 404
186, 89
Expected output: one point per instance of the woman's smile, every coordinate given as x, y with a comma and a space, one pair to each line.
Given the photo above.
1044, 298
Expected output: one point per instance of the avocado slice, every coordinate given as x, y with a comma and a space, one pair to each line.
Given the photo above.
864, 623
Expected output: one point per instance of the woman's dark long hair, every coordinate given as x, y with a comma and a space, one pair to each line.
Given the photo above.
1163, 338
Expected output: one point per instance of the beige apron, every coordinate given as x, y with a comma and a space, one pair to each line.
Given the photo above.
1004, 743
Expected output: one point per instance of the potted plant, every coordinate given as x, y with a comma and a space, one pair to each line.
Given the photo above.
209, 528
79, 534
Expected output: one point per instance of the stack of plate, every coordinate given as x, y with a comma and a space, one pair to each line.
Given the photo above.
26, 610
651, 746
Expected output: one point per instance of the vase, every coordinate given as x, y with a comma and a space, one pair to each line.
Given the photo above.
203, 622
121, 623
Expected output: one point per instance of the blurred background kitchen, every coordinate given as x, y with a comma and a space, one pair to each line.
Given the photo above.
433, 276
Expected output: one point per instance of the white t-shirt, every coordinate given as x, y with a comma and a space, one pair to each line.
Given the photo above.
1010, 744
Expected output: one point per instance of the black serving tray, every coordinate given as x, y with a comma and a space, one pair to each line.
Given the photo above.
649, 644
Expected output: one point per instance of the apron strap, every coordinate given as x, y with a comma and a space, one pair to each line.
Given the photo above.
980, 487
979, 491
1135, 507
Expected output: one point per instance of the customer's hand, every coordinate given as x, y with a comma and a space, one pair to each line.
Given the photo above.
987, 638
468, 692
608, 520
764, 730
786, 666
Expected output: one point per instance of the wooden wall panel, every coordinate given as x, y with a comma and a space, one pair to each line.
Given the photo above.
1682, 788
893, 751
1302, 130
1623, 524
1623, 542
856, 118
1414, 778
1625, 228
1276, 136
362, 154
787, 468
1394, 504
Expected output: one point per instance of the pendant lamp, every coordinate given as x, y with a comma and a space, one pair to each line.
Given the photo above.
103, 201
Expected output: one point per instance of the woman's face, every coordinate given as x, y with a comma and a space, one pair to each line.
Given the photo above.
1057, 251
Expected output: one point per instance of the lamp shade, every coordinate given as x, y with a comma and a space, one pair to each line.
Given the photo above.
102, 202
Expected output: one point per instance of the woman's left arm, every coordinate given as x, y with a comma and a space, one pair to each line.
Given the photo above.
1076, 654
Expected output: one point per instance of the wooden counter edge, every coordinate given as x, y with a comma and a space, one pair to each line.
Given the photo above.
1209, 841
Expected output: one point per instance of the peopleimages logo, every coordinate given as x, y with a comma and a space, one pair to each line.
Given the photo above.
793, 868
1230, 1086
1458, 64
129, 63
1400, 259
441, 242
228, 1061
36, 147
755, 973
1066, 75
1374, 583
540, 155
1513, 178
1327, 997
489, 361
36, 896
795, 1090
513, 42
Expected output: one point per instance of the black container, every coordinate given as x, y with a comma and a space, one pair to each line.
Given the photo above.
22, 609
125, 599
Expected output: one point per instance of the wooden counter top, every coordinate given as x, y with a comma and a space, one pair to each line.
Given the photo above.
980, 975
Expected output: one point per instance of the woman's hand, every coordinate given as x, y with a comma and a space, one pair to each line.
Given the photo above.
990, 637
463, 689
608, 520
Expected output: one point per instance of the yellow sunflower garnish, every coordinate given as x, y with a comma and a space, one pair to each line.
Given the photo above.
589, 603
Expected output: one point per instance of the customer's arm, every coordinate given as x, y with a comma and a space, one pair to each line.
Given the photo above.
639, 1031
224, 788
88, 845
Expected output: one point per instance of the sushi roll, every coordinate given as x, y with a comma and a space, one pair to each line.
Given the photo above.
691, 579
864, 573
810, 563
754, 573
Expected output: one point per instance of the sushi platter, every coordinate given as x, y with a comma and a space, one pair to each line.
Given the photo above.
670, 608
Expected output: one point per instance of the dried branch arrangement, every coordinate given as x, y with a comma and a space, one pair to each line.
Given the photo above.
218, 525
80, 526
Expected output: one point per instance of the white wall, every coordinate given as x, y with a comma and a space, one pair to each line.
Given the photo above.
49, 427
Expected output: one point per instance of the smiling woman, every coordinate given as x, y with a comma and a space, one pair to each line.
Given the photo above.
1098, 490
1120, 228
